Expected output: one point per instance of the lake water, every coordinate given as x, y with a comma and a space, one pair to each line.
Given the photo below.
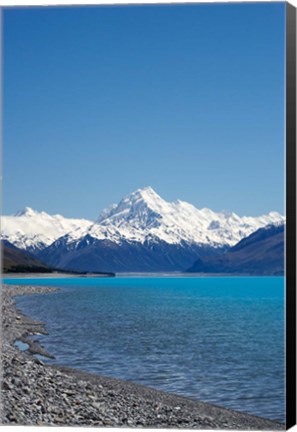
219, 340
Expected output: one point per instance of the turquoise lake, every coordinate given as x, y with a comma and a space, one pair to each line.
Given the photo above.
216, 339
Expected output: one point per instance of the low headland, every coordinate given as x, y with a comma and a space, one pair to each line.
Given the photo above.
15, 260
34, 393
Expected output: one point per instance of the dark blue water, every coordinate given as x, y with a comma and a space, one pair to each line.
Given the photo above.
219, 340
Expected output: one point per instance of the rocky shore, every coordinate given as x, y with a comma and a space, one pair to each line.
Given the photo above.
36, 394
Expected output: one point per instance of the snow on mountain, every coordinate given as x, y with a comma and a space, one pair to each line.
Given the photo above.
142, 216
32, 230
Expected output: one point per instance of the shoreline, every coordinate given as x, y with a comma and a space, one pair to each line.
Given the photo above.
17, 275
37, 394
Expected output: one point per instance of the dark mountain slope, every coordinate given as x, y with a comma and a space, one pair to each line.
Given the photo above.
261, 253
17, 260
90, 254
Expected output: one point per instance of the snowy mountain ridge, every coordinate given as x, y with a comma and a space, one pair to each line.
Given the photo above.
142, 216
29, 229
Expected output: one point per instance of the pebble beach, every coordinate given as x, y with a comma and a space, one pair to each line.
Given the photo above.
34, 393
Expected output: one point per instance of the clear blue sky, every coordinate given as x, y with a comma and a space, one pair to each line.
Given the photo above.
100, 101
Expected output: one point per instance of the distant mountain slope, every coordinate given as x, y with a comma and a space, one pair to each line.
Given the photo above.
16, 260
261, 253
91, 254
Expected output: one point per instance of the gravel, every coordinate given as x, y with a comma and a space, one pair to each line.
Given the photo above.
37, 394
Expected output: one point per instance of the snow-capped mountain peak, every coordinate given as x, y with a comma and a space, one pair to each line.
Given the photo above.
140, 209
141, 197
147, 193
27, 211
142, 216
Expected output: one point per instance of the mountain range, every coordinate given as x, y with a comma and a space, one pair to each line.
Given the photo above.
143, 233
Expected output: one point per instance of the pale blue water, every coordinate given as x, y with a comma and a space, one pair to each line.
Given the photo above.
219, 340
21, 345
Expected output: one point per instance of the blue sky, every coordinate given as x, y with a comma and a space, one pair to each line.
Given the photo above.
100, 101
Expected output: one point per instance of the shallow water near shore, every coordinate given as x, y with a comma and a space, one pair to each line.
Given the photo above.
219, 340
